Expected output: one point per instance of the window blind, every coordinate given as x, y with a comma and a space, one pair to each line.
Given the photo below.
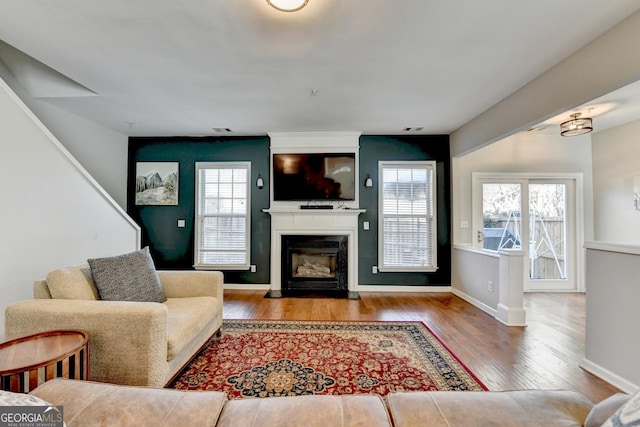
408, 220
223, 215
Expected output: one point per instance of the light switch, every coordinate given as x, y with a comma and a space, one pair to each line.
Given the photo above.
182, 223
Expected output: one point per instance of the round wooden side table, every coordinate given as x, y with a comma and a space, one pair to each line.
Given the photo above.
29, 361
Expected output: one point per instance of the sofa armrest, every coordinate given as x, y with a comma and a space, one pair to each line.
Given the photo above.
127, 340
190, 283
98, 404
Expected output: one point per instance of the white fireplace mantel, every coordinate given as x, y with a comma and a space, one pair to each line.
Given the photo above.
287, 221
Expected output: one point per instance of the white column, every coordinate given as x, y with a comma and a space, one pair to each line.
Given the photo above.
511, 297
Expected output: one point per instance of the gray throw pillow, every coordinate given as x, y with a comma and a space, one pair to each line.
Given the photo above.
127, 277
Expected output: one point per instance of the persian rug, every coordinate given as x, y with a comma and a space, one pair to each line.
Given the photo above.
288, 358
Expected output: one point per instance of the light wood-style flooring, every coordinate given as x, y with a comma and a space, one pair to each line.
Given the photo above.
545, 354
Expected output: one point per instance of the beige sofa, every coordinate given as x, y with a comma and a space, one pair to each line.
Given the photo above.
87, 403
133, 343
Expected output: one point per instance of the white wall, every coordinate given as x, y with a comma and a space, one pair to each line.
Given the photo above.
521, 153
53, 212
616, 163
101, 151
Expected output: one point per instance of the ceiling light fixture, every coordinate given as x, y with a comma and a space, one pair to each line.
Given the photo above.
576, 126
287, 5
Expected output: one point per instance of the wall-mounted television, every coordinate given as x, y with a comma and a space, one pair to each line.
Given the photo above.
314, 176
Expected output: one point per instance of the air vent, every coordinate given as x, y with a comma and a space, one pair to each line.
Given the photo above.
413, 129
222, 130
536, 129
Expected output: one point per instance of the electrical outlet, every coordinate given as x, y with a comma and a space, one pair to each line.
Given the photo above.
374, 269
253, 268
464, 224
182, 223
365, 225
490, 286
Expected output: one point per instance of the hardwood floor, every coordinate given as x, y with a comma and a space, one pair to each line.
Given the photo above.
544, 355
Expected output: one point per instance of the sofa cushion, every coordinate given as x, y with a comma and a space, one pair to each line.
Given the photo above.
185, 316
72, 283
127, 277
365, 410
628, 415
91, 403
496, 409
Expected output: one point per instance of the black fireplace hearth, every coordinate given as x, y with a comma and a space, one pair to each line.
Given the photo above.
314, 266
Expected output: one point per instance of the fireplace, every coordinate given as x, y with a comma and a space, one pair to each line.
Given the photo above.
314, 263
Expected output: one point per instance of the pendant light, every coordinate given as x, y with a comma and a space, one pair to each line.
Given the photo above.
576, 126
287, 5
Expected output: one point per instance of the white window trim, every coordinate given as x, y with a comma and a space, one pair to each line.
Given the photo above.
434, 224
222, 165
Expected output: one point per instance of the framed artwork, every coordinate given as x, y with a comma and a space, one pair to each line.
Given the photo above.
157, 183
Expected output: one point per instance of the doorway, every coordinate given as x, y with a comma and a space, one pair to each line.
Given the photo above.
538, 214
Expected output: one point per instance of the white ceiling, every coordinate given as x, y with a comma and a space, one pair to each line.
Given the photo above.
613, 109
161, 67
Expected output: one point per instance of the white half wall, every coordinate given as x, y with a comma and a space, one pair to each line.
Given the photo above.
53, 212
615, 167
612, 342
471, 282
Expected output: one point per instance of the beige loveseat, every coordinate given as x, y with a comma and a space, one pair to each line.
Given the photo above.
87, 403
134, 343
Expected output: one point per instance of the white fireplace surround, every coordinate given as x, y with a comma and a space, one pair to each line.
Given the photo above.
288, 219
337, 222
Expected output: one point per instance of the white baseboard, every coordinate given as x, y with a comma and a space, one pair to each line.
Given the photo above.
613, 379
476, 303
511, 316
247, 287
364, 288
391, 288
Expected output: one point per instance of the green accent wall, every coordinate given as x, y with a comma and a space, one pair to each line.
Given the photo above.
419, 147
172, 247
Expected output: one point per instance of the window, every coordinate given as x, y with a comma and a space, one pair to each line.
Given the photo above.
407, 226
222, 215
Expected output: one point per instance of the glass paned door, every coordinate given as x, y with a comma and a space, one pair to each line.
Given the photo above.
552, 240
501, 216
547, 231
537, 216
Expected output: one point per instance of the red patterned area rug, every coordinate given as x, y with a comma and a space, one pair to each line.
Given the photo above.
285, 358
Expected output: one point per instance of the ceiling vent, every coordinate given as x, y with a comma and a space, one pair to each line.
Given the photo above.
222, 130
413, 129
